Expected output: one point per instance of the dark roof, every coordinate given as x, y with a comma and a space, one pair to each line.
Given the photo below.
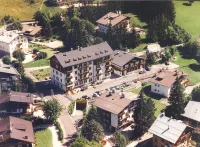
113, 103
16, 128
84, 54
166, 77
31, 30
8, 69
114, 17
16, 97
121, 58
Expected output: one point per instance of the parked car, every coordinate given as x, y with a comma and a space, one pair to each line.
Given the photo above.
98, 92
83, 88
86, 97
95, 95
148, 68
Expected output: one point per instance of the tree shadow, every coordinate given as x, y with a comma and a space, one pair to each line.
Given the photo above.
195, 67
187, 4
51, 4
184, 53
147, 91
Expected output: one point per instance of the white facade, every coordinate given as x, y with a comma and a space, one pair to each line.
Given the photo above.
58, 78
114, 120
11, 41
80, 75
160, 89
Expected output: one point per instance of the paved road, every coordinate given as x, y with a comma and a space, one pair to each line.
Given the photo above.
117, 81
67, 122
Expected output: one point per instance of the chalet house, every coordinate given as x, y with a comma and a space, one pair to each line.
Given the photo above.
116, 109
11, 41
81, 66
15, 103
16, 132
115, 20
163, 81
125, 62
31, 31
191, 116
168, 132
8, 77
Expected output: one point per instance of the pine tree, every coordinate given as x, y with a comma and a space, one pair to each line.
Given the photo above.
144, 114
176, 100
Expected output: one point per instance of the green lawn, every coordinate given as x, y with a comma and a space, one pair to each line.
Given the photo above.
42, 62
43, 138
23, 10
187, 68
139, 48
41, 74
155, 98
188, 17
19, 8
51, 10
135, 20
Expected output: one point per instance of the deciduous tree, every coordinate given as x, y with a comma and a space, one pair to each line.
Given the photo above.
92, 130
120, 140
52, 110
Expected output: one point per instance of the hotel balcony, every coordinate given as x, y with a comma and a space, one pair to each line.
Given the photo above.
83, 67
69, 84
85, 72
69, 77
107, 60
69, 71
98, 74
98, 68
84, 78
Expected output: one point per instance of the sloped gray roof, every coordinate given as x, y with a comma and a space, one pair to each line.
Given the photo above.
84, 54
192, 111
8, 69
120, 58
113, 103
167, 128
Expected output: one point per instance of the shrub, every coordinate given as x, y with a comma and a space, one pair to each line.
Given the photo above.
6, 59
71, 107
35, 50
60, 131
41, 55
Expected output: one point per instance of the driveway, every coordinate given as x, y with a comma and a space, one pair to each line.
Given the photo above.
67, 122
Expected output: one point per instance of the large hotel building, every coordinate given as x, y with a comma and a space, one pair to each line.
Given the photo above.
81, 66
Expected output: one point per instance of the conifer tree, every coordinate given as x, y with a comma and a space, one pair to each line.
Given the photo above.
176, 100
144, 114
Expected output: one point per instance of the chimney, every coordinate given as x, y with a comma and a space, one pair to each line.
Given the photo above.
119, 12
71, 49
64, 54
28, 95
1, 137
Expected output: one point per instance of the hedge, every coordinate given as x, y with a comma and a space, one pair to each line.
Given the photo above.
71, 107
41, 55
60, 131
